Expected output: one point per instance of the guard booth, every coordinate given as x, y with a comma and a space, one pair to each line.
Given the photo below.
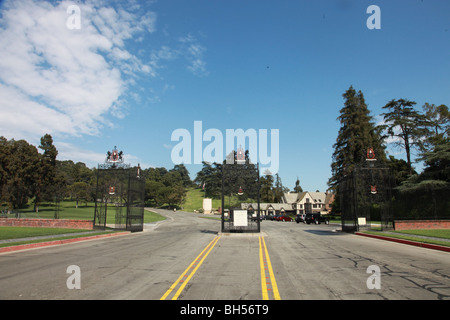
366, 196
240, 183
119, 197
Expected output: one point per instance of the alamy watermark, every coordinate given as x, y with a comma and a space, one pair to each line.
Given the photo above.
374, 280
74, 19
190, 150
374, 21
74, 280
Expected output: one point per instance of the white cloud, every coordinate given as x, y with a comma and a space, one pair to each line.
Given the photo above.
68, 151
61, 81
194, 55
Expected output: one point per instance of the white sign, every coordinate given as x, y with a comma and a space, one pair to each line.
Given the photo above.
362, 221
207, 205
240, 218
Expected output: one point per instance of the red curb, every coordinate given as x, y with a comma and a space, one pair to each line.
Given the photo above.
58, 242
413, 243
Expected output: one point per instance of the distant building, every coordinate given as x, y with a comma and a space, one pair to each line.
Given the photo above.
296, 203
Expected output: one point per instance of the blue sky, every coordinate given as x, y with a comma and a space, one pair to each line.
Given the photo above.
136, 71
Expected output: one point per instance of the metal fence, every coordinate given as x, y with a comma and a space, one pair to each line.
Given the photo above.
119, 192
365, 196
240, 181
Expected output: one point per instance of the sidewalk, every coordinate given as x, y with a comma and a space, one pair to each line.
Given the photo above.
85, 235
409, 242
49, 236
56, 242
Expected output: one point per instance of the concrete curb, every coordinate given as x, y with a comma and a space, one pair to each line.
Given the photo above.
59, 242
409, 242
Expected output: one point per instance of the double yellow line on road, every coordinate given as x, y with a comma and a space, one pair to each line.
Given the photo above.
268, 282
185, 277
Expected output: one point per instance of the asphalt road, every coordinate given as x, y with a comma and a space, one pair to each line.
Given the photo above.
185, 254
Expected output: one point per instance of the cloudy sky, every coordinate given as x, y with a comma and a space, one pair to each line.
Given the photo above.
129, 73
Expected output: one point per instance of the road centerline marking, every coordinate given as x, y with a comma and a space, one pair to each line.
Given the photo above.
264, 278
266, 267
184, 278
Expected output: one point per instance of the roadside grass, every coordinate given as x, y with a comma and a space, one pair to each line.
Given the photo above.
438, 233
17, 243
7, 233
194, 200
409, 235
68, 211
195, 196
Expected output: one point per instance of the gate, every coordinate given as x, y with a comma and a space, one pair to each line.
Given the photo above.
240, 182
366, 196
119, 200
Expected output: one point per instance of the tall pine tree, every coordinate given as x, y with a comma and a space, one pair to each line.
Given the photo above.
45, 188
406, 124
357, 133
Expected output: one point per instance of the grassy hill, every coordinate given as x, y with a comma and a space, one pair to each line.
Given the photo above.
194, 200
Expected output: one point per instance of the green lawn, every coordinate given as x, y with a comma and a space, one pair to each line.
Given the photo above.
194, 200
195, 196
70, 212
438, 233
85, 211
24, 232
409, 235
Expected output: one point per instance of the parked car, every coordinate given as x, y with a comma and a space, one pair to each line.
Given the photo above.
300, 218
316, 218
283, 218
255, 218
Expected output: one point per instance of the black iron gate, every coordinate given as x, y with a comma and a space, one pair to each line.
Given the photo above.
366, 197
119, 200
240, 182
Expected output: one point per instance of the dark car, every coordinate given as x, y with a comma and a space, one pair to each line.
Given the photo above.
300, 218
316, 218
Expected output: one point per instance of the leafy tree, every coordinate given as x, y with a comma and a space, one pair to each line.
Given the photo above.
175, 195
80, 190
47, 171
437, 125
166, 187
185, 179
406, 124
152, 191
20, 172
210, 179
240, 176
399, 169
356, 135
297, 187
279, 190
267, 194
426, 194
4, 161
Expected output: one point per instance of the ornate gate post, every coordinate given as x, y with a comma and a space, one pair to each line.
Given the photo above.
119, 190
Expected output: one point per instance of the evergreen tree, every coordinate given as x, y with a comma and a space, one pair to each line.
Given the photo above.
297, 187
267, 194
45, 188
356, 135
210, 179
406, 124
437, 126
20, 172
